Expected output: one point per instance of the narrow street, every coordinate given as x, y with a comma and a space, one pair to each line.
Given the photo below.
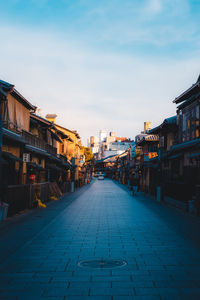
159, 246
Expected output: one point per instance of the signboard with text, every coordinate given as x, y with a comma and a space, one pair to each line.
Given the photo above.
26, 157
152, 154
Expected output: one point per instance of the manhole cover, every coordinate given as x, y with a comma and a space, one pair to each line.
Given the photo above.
102, 263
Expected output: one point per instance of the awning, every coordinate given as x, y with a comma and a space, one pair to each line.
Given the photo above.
148, 139
186, 145
175, 156
194, 155
35, 166
61, 133
9, 155
55, 158
69, 139
8, 134
153, 159
64, 159
50, 166
36, 150
56, 137
124, 154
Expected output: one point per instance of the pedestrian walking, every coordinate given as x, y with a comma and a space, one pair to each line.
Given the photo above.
131, 177
135, 185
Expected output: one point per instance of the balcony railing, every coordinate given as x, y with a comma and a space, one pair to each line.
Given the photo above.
39, 143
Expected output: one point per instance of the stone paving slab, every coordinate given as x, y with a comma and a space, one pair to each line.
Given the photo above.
161, 246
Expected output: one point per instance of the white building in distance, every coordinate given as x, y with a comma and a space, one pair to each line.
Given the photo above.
102, 135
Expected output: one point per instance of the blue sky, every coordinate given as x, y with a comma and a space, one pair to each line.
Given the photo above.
101, 64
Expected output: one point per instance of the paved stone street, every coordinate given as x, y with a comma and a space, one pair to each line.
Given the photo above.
40, 252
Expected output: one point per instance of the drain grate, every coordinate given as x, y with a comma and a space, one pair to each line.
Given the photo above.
102, 263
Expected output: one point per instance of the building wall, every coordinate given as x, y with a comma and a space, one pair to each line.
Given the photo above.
95, 149
147, 126
94, 140
119, 146
188, 122
102, 135
18, 115
70, 149
110, 139
170, 140
15, 150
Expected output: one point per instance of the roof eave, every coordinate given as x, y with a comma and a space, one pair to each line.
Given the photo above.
40, 119
185, 94
20, 98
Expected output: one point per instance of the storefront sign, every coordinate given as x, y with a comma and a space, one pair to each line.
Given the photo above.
152, 154
26, 157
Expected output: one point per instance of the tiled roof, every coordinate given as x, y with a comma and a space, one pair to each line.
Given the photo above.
185, 145
188, 93
189, 100
171, 120
13, 136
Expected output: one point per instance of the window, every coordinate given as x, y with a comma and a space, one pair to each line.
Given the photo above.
189, 119
184, 122
197, 112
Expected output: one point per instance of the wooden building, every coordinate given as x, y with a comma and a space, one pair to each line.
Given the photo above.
70, 147
187, 148
167, 162
146, 162
29, 150
16, 119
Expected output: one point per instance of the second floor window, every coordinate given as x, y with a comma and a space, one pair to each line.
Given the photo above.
189, 123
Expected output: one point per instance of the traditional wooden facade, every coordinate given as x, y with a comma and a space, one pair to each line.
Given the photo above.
187, 148
166, 160
70, 147
145, 162
16, 119
32, 167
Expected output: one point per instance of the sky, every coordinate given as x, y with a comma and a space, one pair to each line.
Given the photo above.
101, 64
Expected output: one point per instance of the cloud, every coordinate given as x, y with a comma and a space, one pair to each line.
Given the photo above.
148, 22
90, 89
154, 7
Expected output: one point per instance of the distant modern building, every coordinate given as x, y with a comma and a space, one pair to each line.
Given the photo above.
112, 133
117, 147
147, 127
102, 135
108, 145
94, 144
94, 140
